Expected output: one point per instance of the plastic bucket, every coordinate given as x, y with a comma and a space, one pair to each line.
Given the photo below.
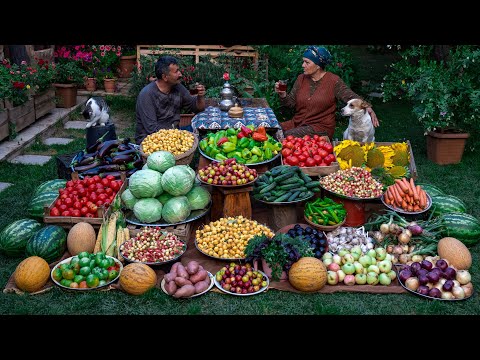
355, 211
96, 132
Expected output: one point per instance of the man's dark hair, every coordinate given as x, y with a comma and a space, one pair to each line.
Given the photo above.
162, 65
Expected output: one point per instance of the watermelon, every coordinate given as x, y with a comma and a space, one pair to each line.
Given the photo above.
49, 243
463, 227
50, 185
431, 190
14, 237
442, 204
36, 206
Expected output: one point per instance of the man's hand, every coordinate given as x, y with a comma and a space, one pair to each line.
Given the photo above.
201, 90
373, 116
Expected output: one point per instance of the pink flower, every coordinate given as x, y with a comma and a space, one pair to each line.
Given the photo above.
77, 47
102, 47
226, 76
102, 54
339, 64
119, 53
108, 47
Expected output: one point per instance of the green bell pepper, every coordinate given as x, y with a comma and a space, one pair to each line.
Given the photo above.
203, 144
231, 132
243, 143
254, 159
220, 157
246, 154
233, 139
256, 151
214, 152
268, 154
228, 147
208, 150
219, 135
239, 159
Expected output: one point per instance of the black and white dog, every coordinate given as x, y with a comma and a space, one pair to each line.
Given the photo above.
96, 110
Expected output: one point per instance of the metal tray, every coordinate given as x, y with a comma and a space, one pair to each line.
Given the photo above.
226, 186
162, 285
401, 211
153, 263
348, 197
217, 284
258, 163
194, 215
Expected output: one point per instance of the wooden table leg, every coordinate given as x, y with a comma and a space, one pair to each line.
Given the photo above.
237, 204
283, 215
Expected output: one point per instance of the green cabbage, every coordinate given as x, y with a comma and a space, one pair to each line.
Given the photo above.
148, 210
145, 184
176, 210
190, 170
198, 198
164, 197
145, 167
161, 161
177, 180
128, 199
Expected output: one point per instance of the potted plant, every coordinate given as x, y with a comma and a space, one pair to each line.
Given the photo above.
277, 254
127, 60
44, 94
67, 76
106, 76
444, 93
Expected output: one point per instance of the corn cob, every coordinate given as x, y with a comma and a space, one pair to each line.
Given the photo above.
120, 240
110, 234
98, 243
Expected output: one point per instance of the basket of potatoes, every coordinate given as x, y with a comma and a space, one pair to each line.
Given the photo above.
181, 143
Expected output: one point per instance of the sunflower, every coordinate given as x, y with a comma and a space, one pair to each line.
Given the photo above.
402, 156
379, 156
350, 153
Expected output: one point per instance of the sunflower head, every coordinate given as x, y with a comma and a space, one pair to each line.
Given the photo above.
375, 158
399, 171
353, 154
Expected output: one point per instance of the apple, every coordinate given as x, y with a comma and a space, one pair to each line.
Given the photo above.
332, 278
384, 279
337, 259
361, 279
220, 277
358, 267
392, 274
349, 280
341, 275
348, 258
356, 255
333, 267
357, 250
385, 266
389, 257
343, 252
348, 268
365, 261
374, 268
327, 255
372, 278
327, 262
372, 253
381, 253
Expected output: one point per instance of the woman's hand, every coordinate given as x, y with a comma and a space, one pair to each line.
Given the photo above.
373, 116
282, 94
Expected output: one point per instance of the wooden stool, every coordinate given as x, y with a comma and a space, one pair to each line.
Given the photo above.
231, 202
283, 215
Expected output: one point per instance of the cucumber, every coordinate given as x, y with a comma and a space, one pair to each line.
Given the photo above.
290, 169
294, 179
268, 188
312, 184
284, 197
278, 169
294, 195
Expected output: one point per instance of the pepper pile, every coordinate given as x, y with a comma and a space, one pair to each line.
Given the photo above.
325, 212
247, 145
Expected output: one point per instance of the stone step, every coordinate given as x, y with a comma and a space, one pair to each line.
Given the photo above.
31, 159
376, 94
57, 141
4, 185
75, 125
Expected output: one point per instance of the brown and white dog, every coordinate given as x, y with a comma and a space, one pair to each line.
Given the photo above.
360, 127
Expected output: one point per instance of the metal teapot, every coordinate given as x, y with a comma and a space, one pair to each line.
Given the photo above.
226, 96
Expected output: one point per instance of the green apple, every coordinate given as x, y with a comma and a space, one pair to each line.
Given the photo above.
332, 278
327, 261
348, 268
384, 279
337, 259
360, 279
381, 253
357, 250
374, 268
343, 252
385, 266
341, 275
392, 274
358, 267
372, 253
365, 261
348, 258
327, 255
372, 278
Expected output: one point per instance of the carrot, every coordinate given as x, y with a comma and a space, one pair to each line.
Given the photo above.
402, 185
410, 208
407, 185
418, 189
423, 199
398, 199
416, 208
399, 190
404, 205
414, 190
390, 193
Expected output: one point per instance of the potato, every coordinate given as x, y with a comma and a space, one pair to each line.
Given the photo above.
180, 281
199, 276
202, 285
170, 276
171, 287
192, 267
185, 291
182, 272
174, 266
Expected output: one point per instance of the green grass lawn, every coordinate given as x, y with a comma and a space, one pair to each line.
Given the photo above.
397, 124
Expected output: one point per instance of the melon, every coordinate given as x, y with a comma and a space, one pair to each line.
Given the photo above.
14, 237
32, 274
455, 252
308, 274
81, 237
137, 278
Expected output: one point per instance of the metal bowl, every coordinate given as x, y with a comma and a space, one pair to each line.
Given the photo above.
258, 163
401, 211
158, 263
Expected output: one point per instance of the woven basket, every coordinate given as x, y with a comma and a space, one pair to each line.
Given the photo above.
181, 159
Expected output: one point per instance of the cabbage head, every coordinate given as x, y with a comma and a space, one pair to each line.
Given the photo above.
198, 198
190, 170
177, 180
176, 210
145, 167
145, 184
164, 197
148, 210
160, 161
128, 199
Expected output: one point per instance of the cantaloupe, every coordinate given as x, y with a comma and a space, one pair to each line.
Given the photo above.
137, 278
31, 274
81, 237
308, 274
455, 252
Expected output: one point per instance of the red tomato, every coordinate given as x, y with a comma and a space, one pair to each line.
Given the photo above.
89, 180
70, 183
102, 197
310, 161
290, 137
54, 212
92, 187
93, 197
100, 191
297, 152
286, 152
108, 191
90, 215
328, 148
289, 145
58, 203
292, 160
110, 177
92, 208
99, 203
97, 178
105, 182
63, 207
77, 205
316, 137
62, 191
68, 201
84, 211
114, 185
70, 189
322, 153
302, 157
301, 164
318, 159
82, 191
66, 213
307, 138
76, 213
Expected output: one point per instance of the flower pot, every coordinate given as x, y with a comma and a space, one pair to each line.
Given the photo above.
109, 85
126, 65
268, 271
66, 95
445, 148
91, 84
44, 102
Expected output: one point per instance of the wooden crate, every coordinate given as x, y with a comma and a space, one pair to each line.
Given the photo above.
411, 165
21, 116
3, 124
67, 222
44, 103
182, 231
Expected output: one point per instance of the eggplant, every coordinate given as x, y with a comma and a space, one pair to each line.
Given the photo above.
107, 147
77, 158
91, 172
125, 147
97, 143
126, 152
116, 174
123, 159
131, 172
110, 167
82, 169
87, 160
138, 163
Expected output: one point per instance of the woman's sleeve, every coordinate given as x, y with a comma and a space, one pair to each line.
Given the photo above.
289, 100
344, 93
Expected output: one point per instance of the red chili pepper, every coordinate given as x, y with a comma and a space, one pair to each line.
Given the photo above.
222, 140
240, 135
259, 137
246, 131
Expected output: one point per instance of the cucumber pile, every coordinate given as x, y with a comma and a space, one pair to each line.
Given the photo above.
284, 184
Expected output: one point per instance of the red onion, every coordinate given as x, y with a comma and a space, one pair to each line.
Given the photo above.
434, 292
450, 273
423, 290
423, 279
427, 265
422, 272
415, 229
442, 264
404, 275
433, 276
415, 266
448, 286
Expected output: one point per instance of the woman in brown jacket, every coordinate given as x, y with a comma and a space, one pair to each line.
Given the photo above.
314, 96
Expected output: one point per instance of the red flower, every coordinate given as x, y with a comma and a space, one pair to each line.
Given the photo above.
226, 76
18, 85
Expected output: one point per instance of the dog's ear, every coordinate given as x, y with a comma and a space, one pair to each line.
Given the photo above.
365, 105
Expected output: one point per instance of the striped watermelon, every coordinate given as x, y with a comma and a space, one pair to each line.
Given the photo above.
35, 208
463, 227
442, 204
49, 243
432, 190
14, 237
50, 185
